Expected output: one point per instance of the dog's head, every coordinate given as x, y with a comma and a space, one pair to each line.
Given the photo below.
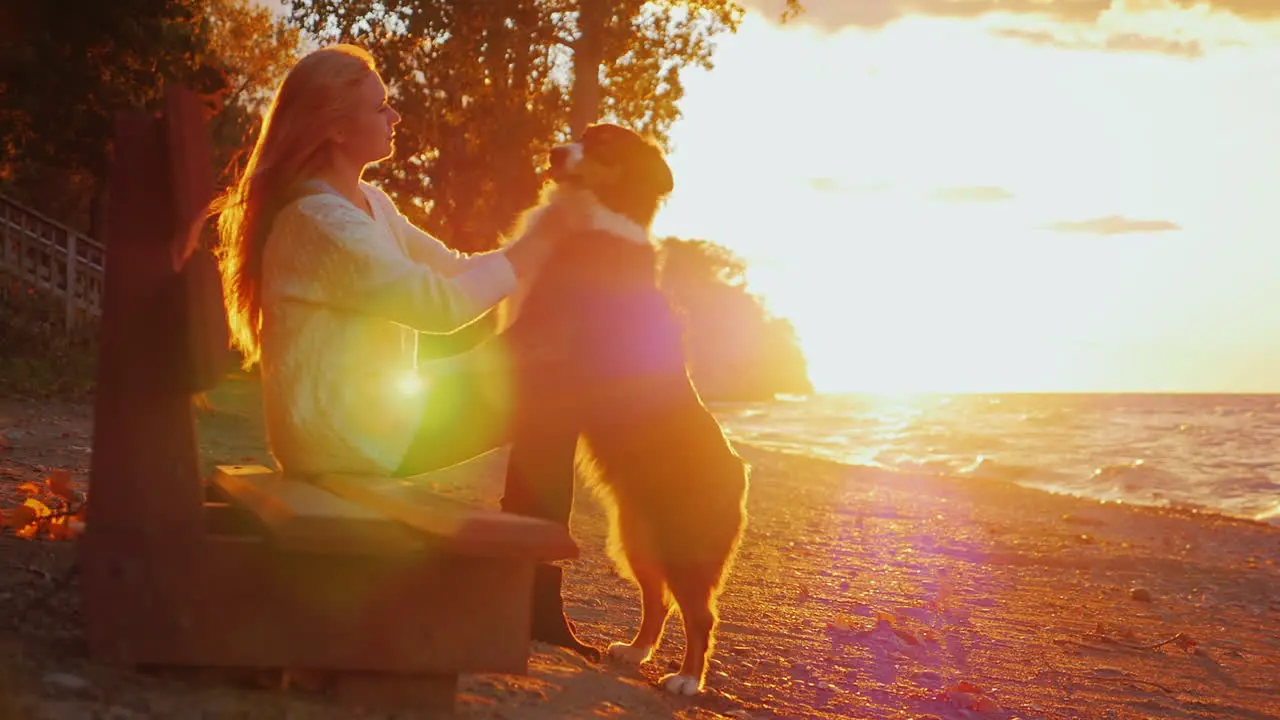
625, 172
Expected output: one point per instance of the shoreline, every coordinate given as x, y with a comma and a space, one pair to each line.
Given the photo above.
858, 593
1213, 455
1182, 509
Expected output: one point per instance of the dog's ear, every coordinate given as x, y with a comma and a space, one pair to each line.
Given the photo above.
658, 172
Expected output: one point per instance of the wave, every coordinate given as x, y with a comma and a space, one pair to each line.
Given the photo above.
1173, 451
1270, 516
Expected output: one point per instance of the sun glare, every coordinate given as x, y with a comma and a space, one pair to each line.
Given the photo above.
941, 210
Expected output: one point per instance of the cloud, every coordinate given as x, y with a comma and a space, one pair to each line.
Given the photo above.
825, 184
1112, 225
971, 194
1247, 9
835, 14
832, 185
839, 14
1116, 42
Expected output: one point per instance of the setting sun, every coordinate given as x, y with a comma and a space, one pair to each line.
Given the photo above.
945, 205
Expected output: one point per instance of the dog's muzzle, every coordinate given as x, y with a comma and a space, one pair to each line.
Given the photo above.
565, 160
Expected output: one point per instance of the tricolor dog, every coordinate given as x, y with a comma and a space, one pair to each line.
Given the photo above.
618, 391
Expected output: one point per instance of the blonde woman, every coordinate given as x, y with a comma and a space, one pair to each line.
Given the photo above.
327, 283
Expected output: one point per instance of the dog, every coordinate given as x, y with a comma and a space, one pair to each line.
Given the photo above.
615, 388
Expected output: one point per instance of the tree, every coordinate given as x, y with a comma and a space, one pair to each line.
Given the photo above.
737, 349
636, 55
486, 88
252, 71
68, 66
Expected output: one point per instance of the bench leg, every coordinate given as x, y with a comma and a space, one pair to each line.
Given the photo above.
388, 691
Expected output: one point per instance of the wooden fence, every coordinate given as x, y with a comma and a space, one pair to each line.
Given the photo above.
40, 252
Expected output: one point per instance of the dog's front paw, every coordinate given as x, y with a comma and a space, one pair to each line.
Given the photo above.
630, 654
678, 684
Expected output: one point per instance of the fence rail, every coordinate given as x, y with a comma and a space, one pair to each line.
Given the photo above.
48, 255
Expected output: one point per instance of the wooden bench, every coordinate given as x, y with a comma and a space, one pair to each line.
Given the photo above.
387, 588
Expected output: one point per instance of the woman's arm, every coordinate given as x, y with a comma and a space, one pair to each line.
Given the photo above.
422, 246
336, 255
526, 252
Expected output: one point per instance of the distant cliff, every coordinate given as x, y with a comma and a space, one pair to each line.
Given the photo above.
738, 351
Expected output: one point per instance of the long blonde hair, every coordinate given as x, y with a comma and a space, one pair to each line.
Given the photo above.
292, 145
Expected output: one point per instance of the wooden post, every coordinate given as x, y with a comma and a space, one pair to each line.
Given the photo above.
145, 519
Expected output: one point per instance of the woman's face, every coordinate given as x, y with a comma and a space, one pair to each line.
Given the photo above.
368, 133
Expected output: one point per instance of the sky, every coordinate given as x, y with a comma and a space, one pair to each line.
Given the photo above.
1065, 195
941, 198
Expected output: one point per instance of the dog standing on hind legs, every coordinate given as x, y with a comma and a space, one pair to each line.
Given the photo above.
616, 389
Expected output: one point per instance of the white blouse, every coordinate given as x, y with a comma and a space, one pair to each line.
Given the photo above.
343, 295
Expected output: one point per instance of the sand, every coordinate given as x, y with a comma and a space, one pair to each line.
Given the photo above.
858, 594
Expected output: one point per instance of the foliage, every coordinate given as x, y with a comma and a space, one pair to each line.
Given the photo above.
737, 349
53, 509
486, 88
41, 358
67, 67
252, 70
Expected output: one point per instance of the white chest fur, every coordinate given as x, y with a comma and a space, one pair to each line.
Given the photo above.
606, 220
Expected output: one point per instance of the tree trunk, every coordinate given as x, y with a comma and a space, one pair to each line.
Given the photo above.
588, 53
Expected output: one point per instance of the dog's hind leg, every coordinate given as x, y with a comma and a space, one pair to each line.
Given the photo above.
654, 609
693, 588
655, 603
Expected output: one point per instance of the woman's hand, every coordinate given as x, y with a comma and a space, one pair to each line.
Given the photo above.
545, 228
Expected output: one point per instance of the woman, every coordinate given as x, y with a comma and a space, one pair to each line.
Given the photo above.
327, 285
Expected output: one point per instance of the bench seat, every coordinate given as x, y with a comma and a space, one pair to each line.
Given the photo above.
355, 514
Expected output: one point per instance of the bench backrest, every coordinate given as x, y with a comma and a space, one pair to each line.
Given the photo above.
160, 329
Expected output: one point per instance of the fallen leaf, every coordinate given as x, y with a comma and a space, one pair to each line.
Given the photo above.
906, 636
58, 529
40, 508
20, 517
29, 488
59, 482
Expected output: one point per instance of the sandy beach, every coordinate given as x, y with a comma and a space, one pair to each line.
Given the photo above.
858, 594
